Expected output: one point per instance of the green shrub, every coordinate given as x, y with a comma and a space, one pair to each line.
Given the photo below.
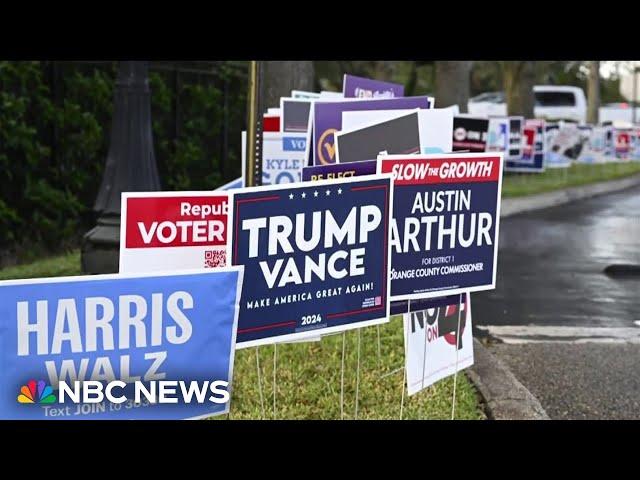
55, 122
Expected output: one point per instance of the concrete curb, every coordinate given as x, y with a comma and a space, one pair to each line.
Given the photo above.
513, 206
505, 397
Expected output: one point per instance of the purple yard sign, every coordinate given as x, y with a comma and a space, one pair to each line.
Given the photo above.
327, 119
358, 87
339, 170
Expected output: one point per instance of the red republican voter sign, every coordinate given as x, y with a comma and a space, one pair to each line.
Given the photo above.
173, 231
444, 230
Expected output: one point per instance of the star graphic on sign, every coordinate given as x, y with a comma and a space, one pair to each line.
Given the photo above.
304, 195
328, 192
291, 196
339, 191
315, 194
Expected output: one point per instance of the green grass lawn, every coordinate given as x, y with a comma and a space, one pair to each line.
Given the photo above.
520, 184
308, 374
60, 266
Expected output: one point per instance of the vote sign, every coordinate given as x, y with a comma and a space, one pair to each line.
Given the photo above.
316, 258
444, 231
173, 231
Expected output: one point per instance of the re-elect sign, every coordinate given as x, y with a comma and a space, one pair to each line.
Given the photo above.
444, 231
144, 327
173, 231
316, 256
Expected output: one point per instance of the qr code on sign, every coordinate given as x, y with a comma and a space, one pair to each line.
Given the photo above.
215, 258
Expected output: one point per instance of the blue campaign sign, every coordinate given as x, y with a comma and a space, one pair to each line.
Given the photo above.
145, 327
444, 231
316, 258
535, 166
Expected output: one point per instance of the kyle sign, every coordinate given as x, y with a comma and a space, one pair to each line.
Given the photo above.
444, 230
173, 231
316, 256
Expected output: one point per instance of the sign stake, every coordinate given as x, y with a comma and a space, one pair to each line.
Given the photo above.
404, 371
404, 381
344, 337
455, 375
379, 346
260, 381
424, 352
275, 357
358, 375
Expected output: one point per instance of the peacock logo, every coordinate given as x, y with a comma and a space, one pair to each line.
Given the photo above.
36, 392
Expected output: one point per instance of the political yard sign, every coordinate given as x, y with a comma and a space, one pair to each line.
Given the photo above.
358, 87
444, 231
339, 170
282, 157
438, 341
158, 331
163, 231
470, 133
316, 258
327, 120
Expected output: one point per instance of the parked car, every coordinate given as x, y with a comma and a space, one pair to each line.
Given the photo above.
552, 102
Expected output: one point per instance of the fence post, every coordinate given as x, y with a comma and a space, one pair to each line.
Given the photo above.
253, 168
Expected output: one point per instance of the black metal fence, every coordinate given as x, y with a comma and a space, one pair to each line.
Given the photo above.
226, 85
55, 126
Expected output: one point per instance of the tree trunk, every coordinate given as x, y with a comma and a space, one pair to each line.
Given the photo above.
412, 81
593, 92
453, 84
518, 79
282, 77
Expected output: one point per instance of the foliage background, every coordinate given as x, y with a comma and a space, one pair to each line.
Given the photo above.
55, 121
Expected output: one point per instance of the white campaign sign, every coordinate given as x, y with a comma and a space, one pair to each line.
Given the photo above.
430, 342
435, 125
283, 154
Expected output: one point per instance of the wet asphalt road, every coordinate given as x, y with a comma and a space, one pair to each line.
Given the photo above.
568, 331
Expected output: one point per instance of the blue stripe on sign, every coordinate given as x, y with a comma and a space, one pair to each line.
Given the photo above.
293, 144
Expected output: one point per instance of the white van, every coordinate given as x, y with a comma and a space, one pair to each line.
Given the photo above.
552, 102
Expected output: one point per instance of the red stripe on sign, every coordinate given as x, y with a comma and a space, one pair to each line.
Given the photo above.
271, 124
265, 327
351, 312
188, 221
371, 187
442, 170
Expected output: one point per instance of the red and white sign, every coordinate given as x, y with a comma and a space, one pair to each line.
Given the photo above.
622, 139
173, 231
439, 169
270, 123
